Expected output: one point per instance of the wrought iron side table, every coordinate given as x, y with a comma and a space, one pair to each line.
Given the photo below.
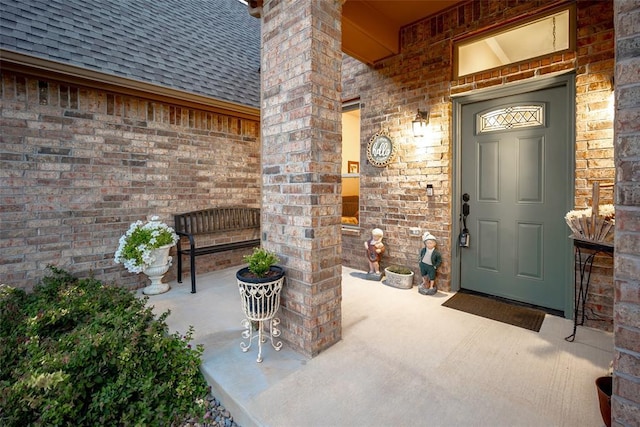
581, 287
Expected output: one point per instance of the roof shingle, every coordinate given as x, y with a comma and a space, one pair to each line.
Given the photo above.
205, 47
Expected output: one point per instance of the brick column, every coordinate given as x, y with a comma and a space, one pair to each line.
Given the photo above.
626, 380
301, 159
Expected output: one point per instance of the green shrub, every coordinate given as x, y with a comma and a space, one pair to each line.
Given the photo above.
75, 352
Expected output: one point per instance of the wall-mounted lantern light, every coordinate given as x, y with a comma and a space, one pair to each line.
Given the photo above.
419, 124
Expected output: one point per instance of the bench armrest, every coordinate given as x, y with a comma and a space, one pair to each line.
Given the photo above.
192, 242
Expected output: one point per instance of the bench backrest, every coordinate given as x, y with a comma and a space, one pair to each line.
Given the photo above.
217, 219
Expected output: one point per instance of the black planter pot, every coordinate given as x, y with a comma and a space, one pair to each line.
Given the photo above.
244, 275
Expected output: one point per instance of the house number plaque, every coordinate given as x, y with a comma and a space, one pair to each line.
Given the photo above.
380, 150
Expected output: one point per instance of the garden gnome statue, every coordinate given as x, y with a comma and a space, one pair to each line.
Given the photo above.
375, 249
429, 261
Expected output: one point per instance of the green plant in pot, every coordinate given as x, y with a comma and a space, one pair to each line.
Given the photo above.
260, 263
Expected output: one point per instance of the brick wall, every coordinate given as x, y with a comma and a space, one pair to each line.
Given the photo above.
301, 128
421, 77
594, 138
78, 165
626, 381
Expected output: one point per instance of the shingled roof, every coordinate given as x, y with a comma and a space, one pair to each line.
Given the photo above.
205, 47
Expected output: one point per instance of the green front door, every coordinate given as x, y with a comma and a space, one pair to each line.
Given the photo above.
514, 160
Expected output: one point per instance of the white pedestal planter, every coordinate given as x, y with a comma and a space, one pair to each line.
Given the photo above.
260, 302
157, 270
401, 281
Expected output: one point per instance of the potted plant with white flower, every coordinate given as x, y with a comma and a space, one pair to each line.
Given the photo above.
144, 248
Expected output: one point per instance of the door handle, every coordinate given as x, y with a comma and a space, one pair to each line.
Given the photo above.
464, 234
465, 205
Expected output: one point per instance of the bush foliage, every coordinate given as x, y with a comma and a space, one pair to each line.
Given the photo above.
76, 352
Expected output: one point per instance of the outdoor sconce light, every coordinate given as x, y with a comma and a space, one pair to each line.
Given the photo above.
419, 124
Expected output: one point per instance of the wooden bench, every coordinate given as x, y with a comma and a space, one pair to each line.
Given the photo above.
218, 224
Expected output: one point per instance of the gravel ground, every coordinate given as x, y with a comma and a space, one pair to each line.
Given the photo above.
217, 416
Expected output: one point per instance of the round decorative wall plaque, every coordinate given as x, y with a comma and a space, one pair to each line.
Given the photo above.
380, 150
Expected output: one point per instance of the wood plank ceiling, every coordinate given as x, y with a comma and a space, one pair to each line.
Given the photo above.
371, 28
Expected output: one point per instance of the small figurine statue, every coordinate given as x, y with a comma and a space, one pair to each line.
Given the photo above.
375, 249
429, 261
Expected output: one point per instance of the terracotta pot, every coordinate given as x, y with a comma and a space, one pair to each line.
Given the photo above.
604, 386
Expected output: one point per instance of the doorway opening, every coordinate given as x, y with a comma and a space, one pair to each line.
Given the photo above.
351, 165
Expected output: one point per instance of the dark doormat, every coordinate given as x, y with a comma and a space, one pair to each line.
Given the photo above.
505, 312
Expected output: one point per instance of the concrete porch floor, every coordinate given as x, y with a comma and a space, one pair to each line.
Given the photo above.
404, 360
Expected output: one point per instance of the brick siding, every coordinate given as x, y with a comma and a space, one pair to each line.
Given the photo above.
80, 164
626, 380
301, 130
421, 77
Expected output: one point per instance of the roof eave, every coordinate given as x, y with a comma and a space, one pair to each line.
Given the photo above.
44, 68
